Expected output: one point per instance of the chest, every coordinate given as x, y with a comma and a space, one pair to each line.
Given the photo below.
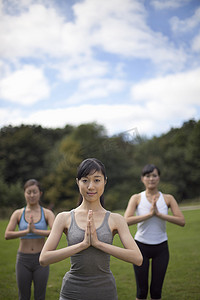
145, 205
82, 219
32, 216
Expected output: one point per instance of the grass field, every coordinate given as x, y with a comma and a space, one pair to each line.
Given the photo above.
182, 280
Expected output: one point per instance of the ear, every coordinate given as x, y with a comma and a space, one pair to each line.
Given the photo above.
106, 180
77, 181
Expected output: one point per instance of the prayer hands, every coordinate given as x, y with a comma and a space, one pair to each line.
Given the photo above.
31, 226
90, 233
154, 209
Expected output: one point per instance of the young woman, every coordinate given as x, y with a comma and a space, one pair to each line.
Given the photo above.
151, 207
90, 229
32, 222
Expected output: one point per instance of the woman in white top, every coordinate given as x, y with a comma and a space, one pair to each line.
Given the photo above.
151, 208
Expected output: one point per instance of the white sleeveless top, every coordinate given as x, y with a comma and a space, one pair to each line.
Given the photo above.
153, 230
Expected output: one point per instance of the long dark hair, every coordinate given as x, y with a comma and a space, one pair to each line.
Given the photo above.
90, 166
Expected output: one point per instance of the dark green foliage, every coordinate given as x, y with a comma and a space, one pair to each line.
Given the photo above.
52, 157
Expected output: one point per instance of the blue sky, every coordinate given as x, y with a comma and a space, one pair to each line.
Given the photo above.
121, 63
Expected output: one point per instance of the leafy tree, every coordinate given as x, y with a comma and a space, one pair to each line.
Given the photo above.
12, 195
60, 184
52, 156
23, 150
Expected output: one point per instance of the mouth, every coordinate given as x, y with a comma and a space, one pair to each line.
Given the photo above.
91, 194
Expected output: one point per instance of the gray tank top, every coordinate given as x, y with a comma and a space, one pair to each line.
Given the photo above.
89, 277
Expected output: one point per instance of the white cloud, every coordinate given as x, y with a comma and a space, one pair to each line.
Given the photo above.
122, 29
95, 56
91, 89
34, 32
168, 4
185, 25
81, 67
181, 88
25, 86
115, 27
196, 43
10, 117
115, 118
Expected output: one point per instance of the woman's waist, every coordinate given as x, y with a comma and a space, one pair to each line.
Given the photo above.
89, 275
31, 246
90, 269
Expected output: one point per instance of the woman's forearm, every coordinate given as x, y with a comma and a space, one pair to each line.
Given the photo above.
52, 256
9, 235
41, 232
137, 219
178, 220
129, 255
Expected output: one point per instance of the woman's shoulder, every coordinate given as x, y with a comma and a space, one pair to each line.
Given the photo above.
17, 213
135, 199
116, 217
168, 198
63, 220
63, 216
117, 223
47, 211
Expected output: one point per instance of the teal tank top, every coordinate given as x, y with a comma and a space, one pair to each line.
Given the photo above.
41, 225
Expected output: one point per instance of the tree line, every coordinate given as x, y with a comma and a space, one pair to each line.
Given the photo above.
52, 156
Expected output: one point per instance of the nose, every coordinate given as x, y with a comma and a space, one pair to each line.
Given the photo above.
90, 185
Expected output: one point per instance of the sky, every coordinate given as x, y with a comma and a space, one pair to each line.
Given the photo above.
124, 64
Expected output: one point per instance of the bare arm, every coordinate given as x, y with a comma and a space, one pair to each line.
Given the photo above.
10, 232
129, 214
177, 216
49, 253
130, 252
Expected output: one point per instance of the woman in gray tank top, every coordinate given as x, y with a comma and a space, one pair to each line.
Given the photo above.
89, 230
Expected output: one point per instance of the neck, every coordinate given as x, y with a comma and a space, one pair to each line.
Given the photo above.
91, 206
151, 192
33, 207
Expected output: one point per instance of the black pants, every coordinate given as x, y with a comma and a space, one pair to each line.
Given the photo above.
28, 270
159, 255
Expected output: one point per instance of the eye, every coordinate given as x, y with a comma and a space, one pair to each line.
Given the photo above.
84, 180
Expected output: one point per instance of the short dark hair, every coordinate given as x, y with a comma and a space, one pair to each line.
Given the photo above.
149, 168
88, 166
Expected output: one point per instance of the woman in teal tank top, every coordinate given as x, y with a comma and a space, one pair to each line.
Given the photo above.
32, 222
90, 229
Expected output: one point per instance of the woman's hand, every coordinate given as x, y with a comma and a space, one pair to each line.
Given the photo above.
31, 226
87, 238
154, 209
93, 234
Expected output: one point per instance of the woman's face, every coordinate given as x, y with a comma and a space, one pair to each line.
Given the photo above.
92, 186
32, 194
151, 180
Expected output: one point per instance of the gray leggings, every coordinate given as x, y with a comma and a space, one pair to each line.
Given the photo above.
28, 270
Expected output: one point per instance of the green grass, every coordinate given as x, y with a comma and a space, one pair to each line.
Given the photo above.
182, 280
